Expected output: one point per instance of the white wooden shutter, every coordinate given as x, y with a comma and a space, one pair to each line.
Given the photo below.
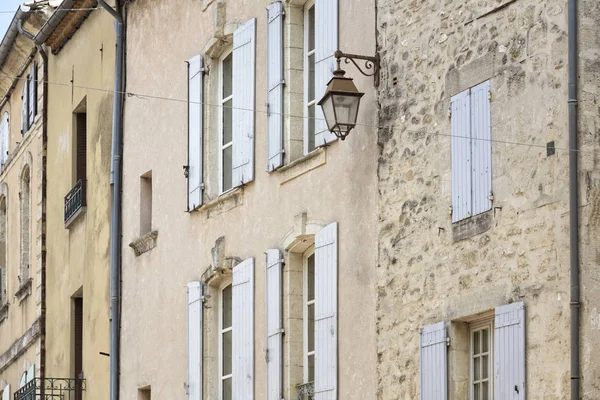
326, 43
244, 72
195, 128
274, 325
195, 335
481, 148
275, 82
326, 325
32, 104
25, 109
4, 133
31, 373
6, 393
243, 330
434, 362
461, 156
509, 352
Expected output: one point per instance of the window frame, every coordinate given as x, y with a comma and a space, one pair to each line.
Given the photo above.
478, 326
305, 304
228, 52
306, 102
221, 331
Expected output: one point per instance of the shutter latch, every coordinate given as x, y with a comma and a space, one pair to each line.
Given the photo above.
266, 355
186, 171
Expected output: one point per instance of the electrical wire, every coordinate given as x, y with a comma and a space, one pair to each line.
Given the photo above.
141, 96
62, 9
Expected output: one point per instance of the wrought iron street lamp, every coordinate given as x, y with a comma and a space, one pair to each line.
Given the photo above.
341, 101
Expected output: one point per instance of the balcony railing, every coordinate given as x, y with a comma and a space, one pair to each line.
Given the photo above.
51, 389
75, 200
306, 391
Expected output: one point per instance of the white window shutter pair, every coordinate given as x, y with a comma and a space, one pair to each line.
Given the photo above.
243, 330
509, 356
195, 340
32, 103
244, 72
275, 83
471, 136
195, 130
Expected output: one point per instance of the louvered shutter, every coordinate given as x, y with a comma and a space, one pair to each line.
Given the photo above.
326, 326
434, 362
275, 82
461, 156
274, 325
244, 71
509, 352
481, 148
32, 104
25, 109
6, 393
326, 43
195, 129
243, 330
195, 310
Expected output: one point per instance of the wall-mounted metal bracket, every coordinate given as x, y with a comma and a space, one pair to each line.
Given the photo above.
371, 64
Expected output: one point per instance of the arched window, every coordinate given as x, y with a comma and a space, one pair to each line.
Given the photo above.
4, 139
3, 236
25, 200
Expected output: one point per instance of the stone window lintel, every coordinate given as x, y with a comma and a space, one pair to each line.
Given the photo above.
24, 290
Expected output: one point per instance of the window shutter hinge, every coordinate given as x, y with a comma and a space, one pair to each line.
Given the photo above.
491, 197
448, 341
268, 109
186, 171
266, 355
450, 209
449, 113
186, 387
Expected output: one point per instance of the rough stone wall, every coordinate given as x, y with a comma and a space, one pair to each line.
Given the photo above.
430, 51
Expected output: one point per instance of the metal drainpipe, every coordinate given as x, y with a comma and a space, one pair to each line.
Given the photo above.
44, 55
115, 223
574, 199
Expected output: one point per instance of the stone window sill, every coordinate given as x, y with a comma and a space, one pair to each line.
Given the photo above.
472, 226
303, 165
3, 312
144, 243
75, 217
225, 202
24, 291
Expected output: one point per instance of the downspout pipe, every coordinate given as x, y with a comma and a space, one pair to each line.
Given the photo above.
44, 55
574, 199
115, 222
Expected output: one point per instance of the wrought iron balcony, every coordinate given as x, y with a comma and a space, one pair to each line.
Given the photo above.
75, 201
51, 389
306, 391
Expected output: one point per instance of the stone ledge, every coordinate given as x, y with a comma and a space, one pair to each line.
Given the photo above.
24, 290
225, 202
20, 345
144, 243
303, 165
3, 312
75, 217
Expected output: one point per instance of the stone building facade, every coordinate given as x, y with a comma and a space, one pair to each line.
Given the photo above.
473, 103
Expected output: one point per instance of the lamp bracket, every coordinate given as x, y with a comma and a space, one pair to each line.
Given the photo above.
371, 63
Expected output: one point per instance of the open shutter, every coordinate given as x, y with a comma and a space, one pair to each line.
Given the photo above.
244, 71
25, 109
243, 330
509, 352
275, 82
481, 148
434, 362
4, 132
461, 156
31, 373
195, 128
326, 326
6, 393
194, 381
32, 104
326, 30
274, 325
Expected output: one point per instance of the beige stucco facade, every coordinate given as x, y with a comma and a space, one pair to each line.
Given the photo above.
81, 72
432, 270
278, 210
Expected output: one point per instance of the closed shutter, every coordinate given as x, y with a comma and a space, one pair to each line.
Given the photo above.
434, 362
461, 156
244, 71
25, 109
194, 338
481, 148
32, 104
326, 325
6, 393
509, 352
326, 32
78, 337
274, 325
195, 129
275, 82
81, 146
243, 330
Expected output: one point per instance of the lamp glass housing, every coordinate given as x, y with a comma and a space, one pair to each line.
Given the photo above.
340, 104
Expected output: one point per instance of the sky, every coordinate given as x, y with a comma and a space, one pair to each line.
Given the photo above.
5, 18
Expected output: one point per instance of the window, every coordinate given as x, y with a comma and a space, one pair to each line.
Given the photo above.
3, 237
146, 203
225, 343
309, 77
145, 393
77, 342
226, 121
471, 152
25, 203
481, 360
29, 99
80, 146
309, 316
4, 139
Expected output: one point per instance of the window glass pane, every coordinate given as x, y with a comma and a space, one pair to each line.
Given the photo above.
226, 307
227, 121
311, 128
476, 392
310, 94
484, 367
476, 342
311, 277
485, 391
311, 368
227, 76
227, 353
311, 28
476, 368
227, 168
311, 327
484, 340
227, 389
